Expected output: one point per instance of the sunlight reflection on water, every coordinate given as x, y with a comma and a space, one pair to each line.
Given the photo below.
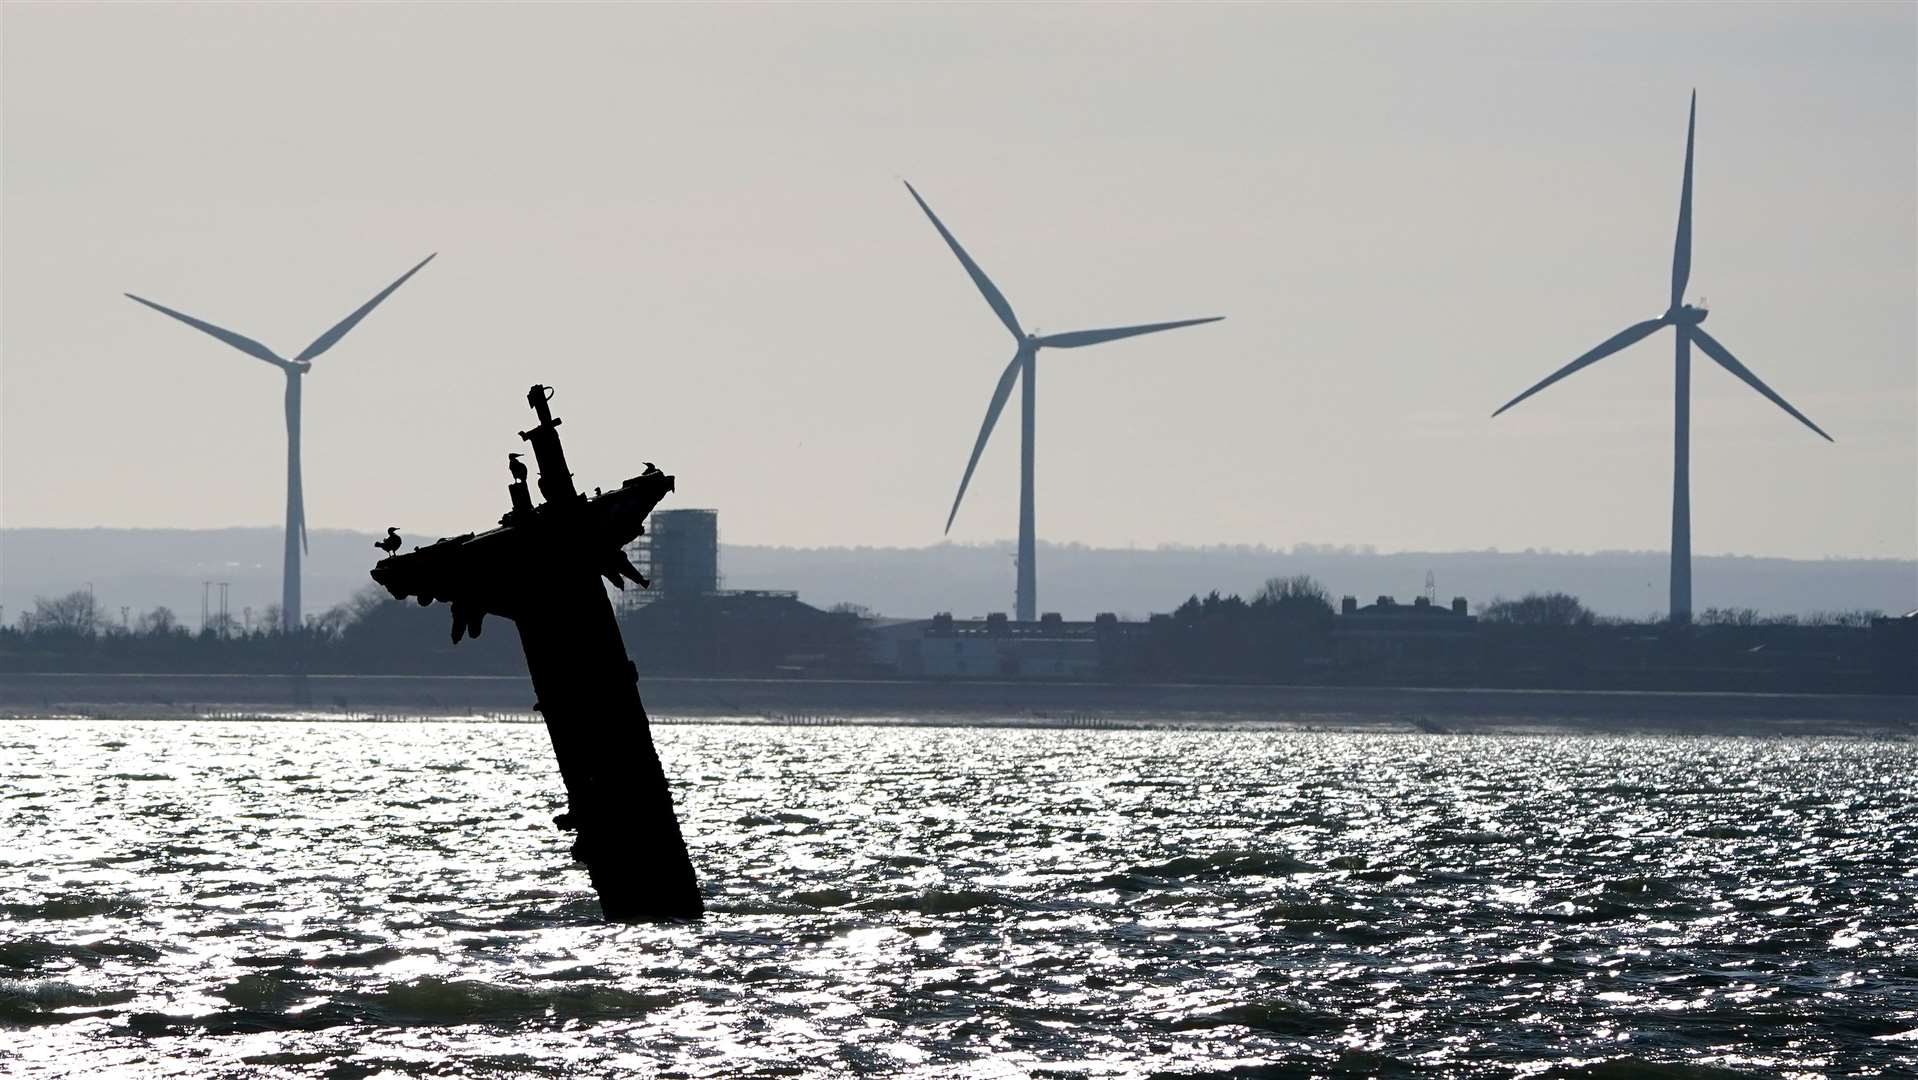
348, 899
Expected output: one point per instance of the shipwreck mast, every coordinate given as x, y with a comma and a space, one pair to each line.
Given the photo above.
542, 568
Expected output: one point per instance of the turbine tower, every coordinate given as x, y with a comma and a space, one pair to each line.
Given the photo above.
1684, 319
295, 370
1023, 368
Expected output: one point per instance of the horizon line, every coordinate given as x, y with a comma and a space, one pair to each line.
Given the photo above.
1249, 547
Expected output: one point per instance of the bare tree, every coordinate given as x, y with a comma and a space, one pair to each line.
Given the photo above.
1858, 617
1299, 590
75, 613
1538, 609
368, 600
159, 622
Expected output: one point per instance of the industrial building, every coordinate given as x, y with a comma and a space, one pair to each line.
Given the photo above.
687, 623
994, 647
679, 552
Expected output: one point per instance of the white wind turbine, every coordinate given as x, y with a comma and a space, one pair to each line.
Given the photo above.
295, 370
1023, 368
1684, 319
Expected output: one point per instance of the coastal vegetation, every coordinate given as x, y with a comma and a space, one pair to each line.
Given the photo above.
1288, 631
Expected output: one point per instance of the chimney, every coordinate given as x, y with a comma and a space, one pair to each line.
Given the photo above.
1349, 606
1458, 605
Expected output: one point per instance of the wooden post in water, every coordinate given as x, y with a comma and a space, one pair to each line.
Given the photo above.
541, 568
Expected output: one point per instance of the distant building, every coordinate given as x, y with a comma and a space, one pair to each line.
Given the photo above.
743, 632
686, 623
1895, 653
994, 647
1392, 635
682, 552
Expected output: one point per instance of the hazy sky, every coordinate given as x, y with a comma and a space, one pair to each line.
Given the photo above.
690, 221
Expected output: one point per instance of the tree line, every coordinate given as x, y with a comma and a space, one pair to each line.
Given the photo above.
1287, 631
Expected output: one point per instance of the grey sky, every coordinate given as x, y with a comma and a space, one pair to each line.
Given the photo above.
691, 222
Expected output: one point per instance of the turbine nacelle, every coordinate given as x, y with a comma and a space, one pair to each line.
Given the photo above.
1686, 315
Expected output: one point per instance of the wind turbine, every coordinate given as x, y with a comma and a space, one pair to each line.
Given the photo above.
1684, 319
1023, 368
295, 369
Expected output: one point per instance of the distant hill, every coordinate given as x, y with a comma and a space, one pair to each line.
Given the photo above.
145, 568
1081, 581
142, 568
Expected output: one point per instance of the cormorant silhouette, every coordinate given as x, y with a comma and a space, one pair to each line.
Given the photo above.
392, 541
516, 467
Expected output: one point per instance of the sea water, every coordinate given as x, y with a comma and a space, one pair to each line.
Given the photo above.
355, 899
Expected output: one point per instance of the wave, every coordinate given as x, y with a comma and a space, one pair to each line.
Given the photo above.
940, 901
71, 906
263, 1003
31, 1002
1275, 1016
30, 952
1311, 911
823, 898
1646, 888
264, 992
432, 1000
758, 907
1230, 863
1639, 1069
1346, 1063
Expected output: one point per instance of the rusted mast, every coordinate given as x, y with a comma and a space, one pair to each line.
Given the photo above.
541, 568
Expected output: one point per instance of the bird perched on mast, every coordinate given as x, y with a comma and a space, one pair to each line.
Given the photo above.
517, 467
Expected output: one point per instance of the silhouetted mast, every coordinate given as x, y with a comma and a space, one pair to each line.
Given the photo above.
542, 568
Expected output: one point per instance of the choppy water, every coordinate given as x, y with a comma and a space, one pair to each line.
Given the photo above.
353, 899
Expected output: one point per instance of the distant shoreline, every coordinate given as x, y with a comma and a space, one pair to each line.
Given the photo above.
147, 567
1062, 704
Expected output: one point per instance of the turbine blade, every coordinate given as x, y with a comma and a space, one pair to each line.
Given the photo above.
999, 396
1730, 363
1609, 346
326, 341
1682, 248
1074, 338
239, 341
986, 288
